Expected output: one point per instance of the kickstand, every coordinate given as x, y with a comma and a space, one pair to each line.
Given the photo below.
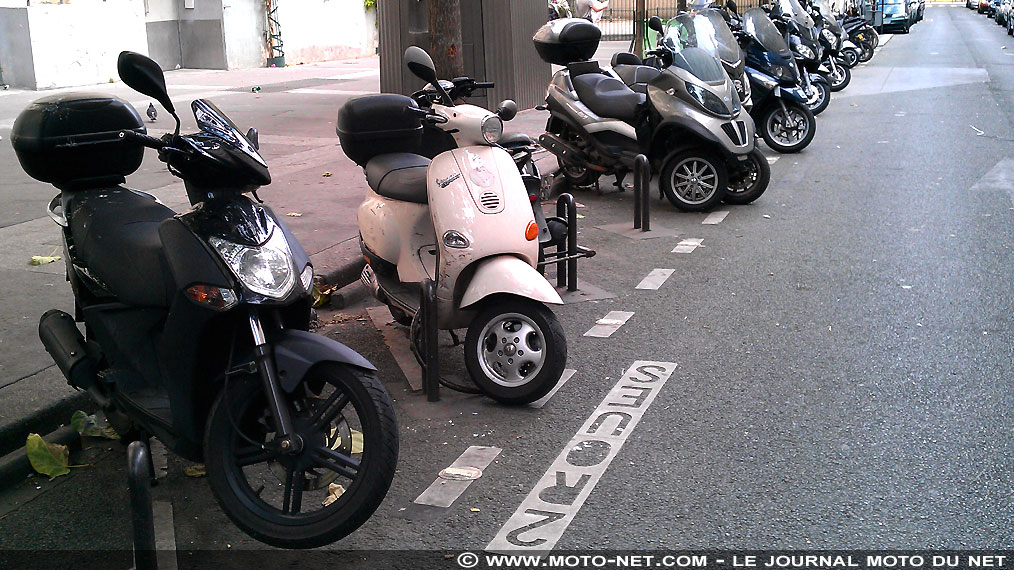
454, 338
140, 477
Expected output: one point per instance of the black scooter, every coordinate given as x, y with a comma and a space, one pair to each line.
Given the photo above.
195, 323
779, 103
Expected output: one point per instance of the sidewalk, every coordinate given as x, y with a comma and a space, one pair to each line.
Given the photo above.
315, 188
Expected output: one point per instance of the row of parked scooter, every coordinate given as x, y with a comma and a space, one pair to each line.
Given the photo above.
711, 81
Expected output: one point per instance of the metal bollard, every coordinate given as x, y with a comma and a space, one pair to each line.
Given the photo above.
139, 476
642, 204
566, 268
431, 355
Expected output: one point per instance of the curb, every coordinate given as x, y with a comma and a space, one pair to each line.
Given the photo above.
46, 420
15, 467
345, 274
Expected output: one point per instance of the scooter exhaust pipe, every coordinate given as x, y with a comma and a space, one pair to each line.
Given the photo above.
65, 343
565, 151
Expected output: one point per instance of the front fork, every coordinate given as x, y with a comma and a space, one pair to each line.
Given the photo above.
288, 441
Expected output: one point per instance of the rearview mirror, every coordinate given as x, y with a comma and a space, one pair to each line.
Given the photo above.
507, 110
254, 138
143, 75
420, 64
655, 23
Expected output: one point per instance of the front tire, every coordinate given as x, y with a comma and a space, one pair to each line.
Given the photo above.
850, 57
347, 423
790, 130
748, 183
866, 54
515, 350
822, 99
694, 180
841, 79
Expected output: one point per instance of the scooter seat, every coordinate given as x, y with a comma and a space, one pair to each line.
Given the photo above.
115, 233
607, 96
636, 76
399, 176
514, 140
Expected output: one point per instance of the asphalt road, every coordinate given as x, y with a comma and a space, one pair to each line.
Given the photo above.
843, 353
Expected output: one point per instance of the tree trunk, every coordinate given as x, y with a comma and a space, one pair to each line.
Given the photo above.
640, 18
445, 38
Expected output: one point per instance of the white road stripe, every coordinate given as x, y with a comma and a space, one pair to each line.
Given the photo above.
567, 374
397, 342
312, 91
655, 279
715, 218
688, 245
555, 500
165, 534
609, 324
773, 159
443, 492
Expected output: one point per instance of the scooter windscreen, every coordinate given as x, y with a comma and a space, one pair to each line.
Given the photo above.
830, 21
795, 10
706, 30
761, 28
212, 120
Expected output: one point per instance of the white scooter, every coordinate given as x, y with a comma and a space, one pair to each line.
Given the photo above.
463, 220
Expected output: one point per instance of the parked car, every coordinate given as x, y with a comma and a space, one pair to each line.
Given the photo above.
983, 6
1003, 13
897, 15
971, 4
916, 8
994, 6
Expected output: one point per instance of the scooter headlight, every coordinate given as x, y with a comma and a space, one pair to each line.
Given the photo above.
805, 52
266, 270
709, 100
832, 39
492, 129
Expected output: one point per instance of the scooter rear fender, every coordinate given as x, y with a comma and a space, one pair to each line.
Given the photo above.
510, 275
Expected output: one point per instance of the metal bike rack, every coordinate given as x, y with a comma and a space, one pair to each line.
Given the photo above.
431, 352
568, 252
642, 182
140, 476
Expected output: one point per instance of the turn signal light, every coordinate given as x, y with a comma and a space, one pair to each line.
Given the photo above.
213, 297
532, 231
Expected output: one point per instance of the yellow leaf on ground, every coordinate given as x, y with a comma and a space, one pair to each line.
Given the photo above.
196, 470
50, 459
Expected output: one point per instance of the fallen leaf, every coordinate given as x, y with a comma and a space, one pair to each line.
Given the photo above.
44, 259
474, 510
89, 426
334, 491
294, 215
326, 174
50, 459
196, 470
766, 217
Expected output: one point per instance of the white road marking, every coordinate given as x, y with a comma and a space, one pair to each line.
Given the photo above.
687, 245
655, 279
356, 74
555, 500
609, 324
773, 159
567, 374
715, 218
159, 458
397, 342
443, 492
165, 534
312, 91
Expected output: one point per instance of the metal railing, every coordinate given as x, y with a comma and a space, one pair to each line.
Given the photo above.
617, 21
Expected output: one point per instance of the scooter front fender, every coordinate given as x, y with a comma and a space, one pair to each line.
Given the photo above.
297, 351
819, 78
511, 275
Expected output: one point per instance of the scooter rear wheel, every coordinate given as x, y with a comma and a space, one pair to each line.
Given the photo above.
346, 421
694, 180
515, 350
577, 176
746, 184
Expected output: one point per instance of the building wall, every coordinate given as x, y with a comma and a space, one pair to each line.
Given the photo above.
16, 64
202, 37
243, 23
91, 57
321, 30
162, 24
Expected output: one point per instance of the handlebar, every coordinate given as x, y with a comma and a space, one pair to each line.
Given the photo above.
150, 142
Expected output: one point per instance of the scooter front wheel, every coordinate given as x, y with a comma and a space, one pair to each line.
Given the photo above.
840, 78
346, 422
515, 350
850, 57
787, 130
748, 181
820, 97
693, 180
